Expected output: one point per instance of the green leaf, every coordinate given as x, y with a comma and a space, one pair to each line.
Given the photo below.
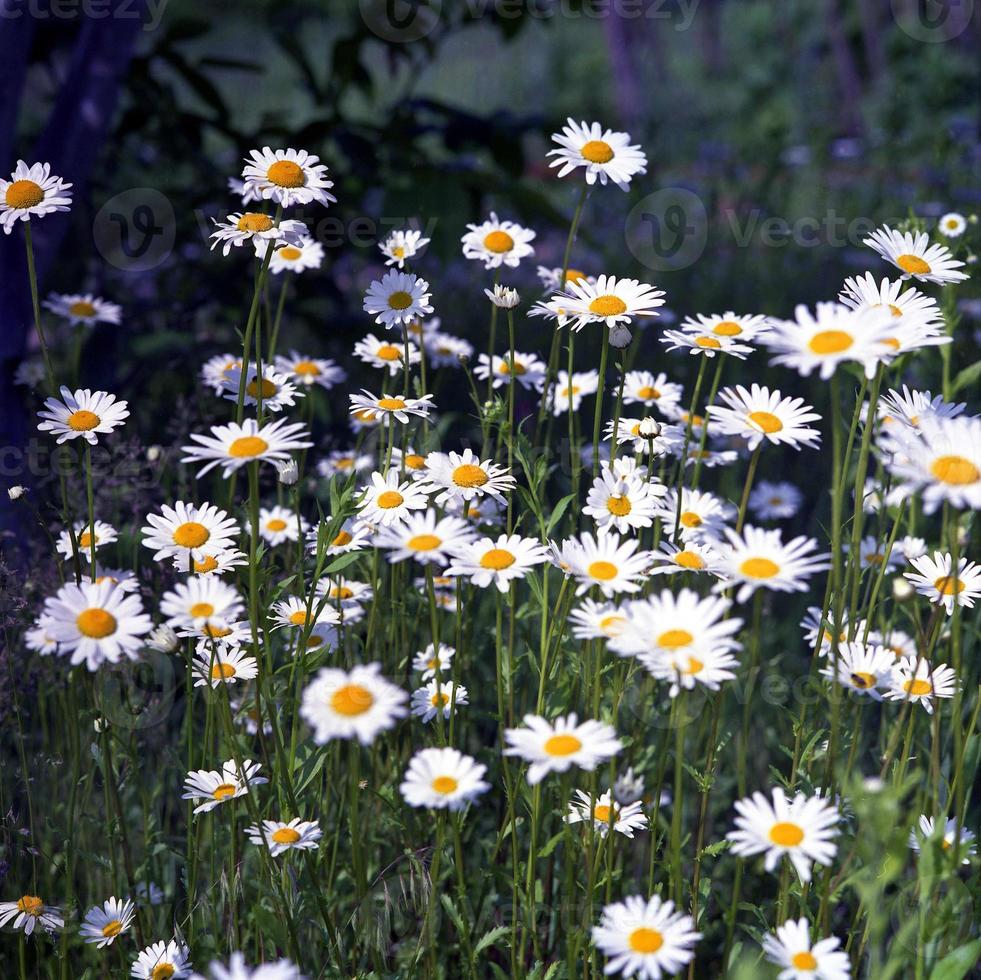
490, 938
967, 378
342, 561
954, 966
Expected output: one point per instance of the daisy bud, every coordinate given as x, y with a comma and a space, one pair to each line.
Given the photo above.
164, 639
99, 725
14, 493
503, 296
153, 453
901, 589
619, 335
288, 472
649, 428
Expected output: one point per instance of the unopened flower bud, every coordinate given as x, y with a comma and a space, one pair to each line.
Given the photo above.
288, 472
164, 639
14, 493
649, 428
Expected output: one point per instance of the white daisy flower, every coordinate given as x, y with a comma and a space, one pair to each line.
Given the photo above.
104, 534
397, 297
645, 938
237, 970
412, 462
82, 414
211, 562
437, 697
934, 578
623, 503
443, 779
919, 682
465, 475
503, 297
592, 620
84, 310
384, 354
38, 639
911, 547
701, 515
951, 836
486, 561
299, 253
345, 591
909, 408
434, 659
351, 704
558, 745
605, 562
625, 819
199, 601
216, 788
646, 435
390, 407
910, 308
604, 153
792, 951
235, 445
552, 281
215, 370
707, 344
163, 639
252, 226
684, 670
387, 500
915, 256
230, 631
279, 524
527, 369
873, 553
424, 537
775, 501
308, 371
690, 556
189, 532
898, 643
496, 243
571, 390
610, 301
29, 911
757, 414
103, 923
32, 191
354, 535
344, 462
952, 225
279, 836
291, 612
803, 828
861, 668
163, 961
149, 893
728, 324
216, 663
400, 246
629, 787
642, 387
287, 177
276, 390
444, 350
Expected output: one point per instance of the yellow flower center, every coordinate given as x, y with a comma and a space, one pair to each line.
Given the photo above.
285, 835
597, 151
352, 700
608, 305
862, 679
694, 665
112, 929
469, 475
709, 342
215, 632
201, 609
30, 904
515, 367
247, 446
208, 564
291, 253
342, 539
647, 393
644, 940
286, 173
387, 353
224, 791
444, 785
891, 342
162, 971
222, 672
299, 618
413, 461
268, 388
602, 812
496, 559
727, 328
391, 404
398, 252
830, 342
574, 275
759, 568
82, 308
389, 499
913, 264
499, 242
619, 506
690, 519
766, 421
948, 585
83, 420
191, 534
252, 222
602, 570
400, 300
85, 540
423, 542
688, 559
439, 700
276, 524
786, 834
955, 470
804, 961
24, 194
675, 638
562, 745
918, 688
612, 625
306, 368
96, 623
341, 592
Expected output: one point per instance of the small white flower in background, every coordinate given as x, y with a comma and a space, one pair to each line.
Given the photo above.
29, 913
792, 950
913, 254
443, 779
917, 681
299, 835
216, 663
375, 408
629, 786
951, 835
299, 253
625, 819
163, 639
558, 745
237, 970
438, 697
431, 659
952, 225
775, 501
163, 961
149, 893
240, 228
103, 923
309, 371
276, 390
358, 703
32, 191
503, 296
83, 309
16, 492
401, 246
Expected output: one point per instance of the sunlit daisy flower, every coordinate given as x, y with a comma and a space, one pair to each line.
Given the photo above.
216, 663
216, 787
103, 923
32, 191
604, 153
684, 670
572, 390
503, 297
952, 225
296, 835
437, 697
200, 600
861, 668
38, 639
478, 511
791, 950
702, 514
292, 612
237, 970
606, 562
299, 253
759, 415
397, 298
82, 414
623, 503
611, 301
915, 680
625, 819
444, 350
351, 704
245, 228
496, 243
803, 829
952, 836
353, 535
400, 246
592, 620
279, 524
488, 562
707, 344
728, 324
443, 779
230, 631
414, 463
235, 445
874, 553
29, 911
287, 177
163, 961
831, 336
384, 354
911, 547
645, 938
555, 309
914, 313
690, 556
645, 438
388, 500
276, 390
642, 387
915, 256
189, 532
84, 310
775, 501
465, 475
526, 369
934, 578
104, 534
558, 745
211, 562
308, 371
759, 559
424, 537
96, 622
124, 578
390, 407
345, 591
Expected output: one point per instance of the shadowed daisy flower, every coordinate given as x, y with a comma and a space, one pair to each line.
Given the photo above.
189, 532
604, 153
400, 246
625, 819
915, 257
32, 191
84, 310
344, 462
424, 537
82, 414
29, 913
163, 961
103, 923
690, 556
775, 501
251, 226
434, 659
488, 562
353, 535
237, 970
292, 612
917, 681
462, 476
397, 297
861, 668
235, 445
296, 835
217, 663
441, 779
447, 351
642, 387
212, 562
570, 391
757, 414
385, 354
952, 225
792, 951
910, 408
308, 371
497, 243
951, 837
934, 578
707, 344
216, 788
299, 253
558, 745
390, 407
287, 177
803, 828
606, 562
527, 369
645, 938
437, 697
104, 534
358, 703
275, 389
592, 620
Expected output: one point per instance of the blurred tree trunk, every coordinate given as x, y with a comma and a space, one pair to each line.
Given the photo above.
846, 70
626, 78
875, 57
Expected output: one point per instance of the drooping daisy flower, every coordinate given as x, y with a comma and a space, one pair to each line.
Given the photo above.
952, 225
690, 556
759, 559
385, 354
934, 578
702, 514
235, 445
396, 298
82, 414
757, 414
604, 153
462, 476
625, 819
296, 835
199, 601
216, 787
570, 391
390, 407
299, 253
434, 659
400, 246
163, 961
557, 746
388, 500
803, 828
104, 534
275, 389
728, 324
287, 177
237, 970
189, 532
952, 835
308, 371
211, 562
593, 620
527, 369
915, 256
252, 226
622, 503
84, 310
707, 344
791, 949
351, 704
645, 938
861, 668
32, 191
96, 622
486, 561
424, 537
218, 663
103, 923
496, 243
610, 301
605, 562
29, 911
775, 501
443, 779
915, 680
437, 697
642, 387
